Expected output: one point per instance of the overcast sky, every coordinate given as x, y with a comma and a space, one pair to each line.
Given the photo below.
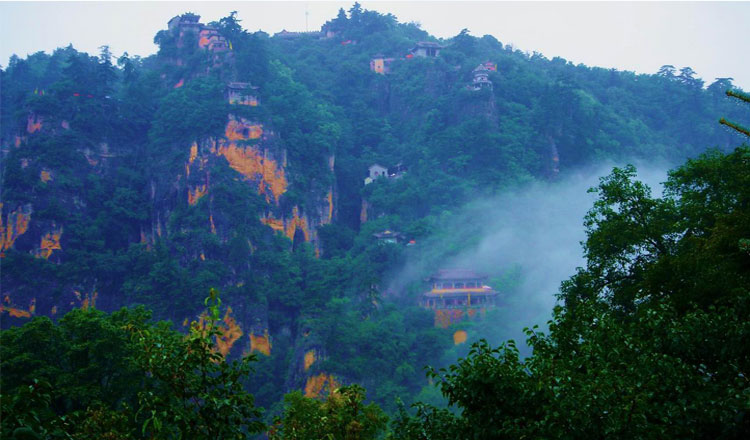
711, 37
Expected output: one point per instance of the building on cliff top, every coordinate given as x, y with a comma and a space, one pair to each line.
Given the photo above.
458, 289
389, 236
291, 35
187, 21
375, 171
208, 37
426, 49
242, 93
481, 79
211, 39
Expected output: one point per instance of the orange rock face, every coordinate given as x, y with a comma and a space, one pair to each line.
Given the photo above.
196, 194
90, 300
317, 385
86, 300
17, 223
50, 242
249, 162
295, 223
33, 123
309, 359
191, 159
242, 130
288, 226
15, 311
274, 223
329, 198
230, 333
45, 176
260, 343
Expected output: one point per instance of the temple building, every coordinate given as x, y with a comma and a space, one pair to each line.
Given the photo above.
292, 35
241, 93
208, 38
389, 236
375, 171
457, 293
481, 78
185, 22
213, 41
426, 49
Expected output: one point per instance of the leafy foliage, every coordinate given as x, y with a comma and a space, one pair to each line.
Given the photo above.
341, 416
119, 376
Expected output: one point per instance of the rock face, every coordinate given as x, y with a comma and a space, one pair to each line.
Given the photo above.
255, 156
248, 155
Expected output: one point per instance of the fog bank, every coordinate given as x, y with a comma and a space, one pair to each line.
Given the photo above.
527, 241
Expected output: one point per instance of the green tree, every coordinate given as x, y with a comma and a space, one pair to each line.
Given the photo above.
737, 127
197, 393
341, 416
118, 376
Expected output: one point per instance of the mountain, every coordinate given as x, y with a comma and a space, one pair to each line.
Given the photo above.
238, 160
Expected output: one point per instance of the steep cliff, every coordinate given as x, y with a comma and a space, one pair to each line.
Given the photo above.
185, 216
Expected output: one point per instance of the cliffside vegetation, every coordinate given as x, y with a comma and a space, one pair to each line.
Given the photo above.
137, 182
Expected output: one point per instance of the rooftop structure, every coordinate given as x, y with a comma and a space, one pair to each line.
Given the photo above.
290, 35
375, 171
389, 236
426, 49
458, 289
185, 22
241, 93
211, 39
481, 79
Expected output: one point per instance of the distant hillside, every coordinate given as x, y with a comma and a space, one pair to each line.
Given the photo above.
238, 160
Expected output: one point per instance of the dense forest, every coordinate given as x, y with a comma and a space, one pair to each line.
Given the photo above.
211, 242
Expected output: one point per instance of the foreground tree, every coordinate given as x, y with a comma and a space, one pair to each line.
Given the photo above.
737, 127
196, 392
119, 376
341, 416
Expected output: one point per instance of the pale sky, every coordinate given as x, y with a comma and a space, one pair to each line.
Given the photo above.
711, 37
